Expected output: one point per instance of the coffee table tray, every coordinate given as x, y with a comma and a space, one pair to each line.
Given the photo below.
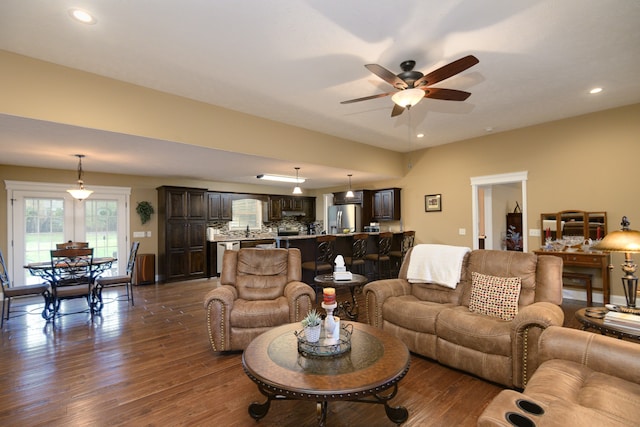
325, 347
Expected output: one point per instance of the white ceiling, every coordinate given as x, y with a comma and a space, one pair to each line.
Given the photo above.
294, 61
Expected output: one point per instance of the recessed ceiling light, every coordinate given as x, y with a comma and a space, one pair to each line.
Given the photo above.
82, 16
420, 135
595, 90
488, 129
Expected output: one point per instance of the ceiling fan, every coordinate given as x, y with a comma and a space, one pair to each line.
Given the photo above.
412, 85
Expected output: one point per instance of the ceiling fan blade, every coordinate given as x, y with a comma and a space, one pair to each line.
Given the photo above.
446, 94
397, 110
366, 98
447, 71
387, 76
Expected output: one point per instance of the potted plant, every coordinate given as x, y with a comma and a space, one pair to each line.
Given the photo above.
312, 324
144, 209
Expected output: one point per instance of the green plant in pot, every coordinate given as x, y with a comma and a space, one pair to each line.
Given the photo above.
312, 325
144, 209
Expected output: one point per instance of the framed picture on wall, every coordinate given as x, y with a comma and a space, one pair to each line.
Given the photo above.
433, 203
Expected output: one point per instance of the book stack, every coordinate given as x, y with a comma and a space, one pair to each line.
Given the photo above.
625, 322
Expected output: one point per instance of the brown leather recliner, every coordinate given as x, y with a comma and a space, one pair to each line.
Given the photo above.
259, 289
584, 379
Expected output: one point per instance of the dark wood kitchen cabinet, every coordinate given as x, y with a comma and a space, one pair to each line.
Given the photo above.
386, 204
182, 215
219, 206
279, 204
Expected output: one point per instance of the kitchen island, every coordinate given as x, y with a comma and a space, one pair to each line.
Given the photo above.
306, 244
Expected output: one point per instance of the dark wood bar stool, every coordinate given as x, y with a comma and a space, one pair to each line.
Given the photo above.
356, 262
324, 255
381, 260
408, 239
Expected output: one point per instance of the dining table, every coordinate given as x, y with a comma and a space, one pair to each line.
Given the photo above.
46, 271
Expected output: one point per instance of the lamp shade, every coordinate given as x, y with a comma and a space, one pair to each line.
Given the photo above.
620, 241
408, 98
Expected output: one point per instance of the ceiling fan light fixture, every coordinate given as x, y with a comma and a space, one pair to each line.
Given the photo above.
80, 193
408, 98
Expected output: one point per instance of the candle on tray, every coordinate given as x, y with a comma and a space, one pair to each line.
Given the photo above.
329, 296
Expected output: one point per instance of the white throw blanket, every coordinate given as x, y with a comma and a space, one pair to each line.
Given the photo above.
440, 264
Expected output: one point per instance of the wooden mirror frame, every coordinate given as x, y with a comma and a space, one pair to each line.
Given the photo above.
574, 223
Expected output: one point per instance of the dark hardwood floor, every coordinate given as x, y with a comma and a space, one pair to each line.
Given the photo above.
152, 365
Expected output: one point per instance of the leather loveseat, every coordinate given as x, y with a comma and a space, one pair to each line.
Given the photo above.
435, 321
585, 379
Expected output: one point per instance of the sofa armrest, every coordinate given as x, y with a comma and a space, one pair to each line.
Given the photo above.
608, 355
377, 292
526, 328
300, 297
218, 303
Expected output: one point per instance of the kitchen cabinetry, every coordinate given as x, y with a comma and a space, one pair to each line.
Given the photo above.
386, 204
182, 215
280, 204
341, 198
309, 209
219, 206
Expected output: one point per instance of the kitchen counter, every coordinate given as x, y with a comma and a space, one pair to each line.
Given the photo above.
263, 236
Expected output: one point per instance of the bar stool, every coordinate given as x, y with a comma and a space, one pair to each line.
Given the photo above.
324, 254
358, 250
408, 238
381, 258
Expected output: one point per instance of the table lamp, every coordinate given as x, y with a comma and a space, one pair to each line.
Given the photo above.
627, 241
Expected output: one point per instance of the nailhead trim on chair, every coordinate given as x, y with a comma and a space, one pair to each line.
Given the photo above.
525, 353
211, 340
366, 307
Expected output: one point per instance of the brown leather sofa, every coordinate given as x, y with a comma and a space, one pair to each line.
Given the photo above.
259, 289
435, 321
585, 379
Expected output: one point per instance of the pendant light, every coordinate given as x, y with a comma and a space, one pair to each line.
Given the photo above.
297, 189
80, 193
350, 192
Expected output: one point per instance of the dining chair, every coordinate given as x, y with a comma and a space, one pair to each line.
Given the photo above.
123, 279
72, 276
10, 291
380, 258
72, 245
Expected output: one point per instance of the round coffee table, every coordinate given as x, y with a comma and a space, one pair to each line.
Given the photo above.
368, 373
349, 308
597, 323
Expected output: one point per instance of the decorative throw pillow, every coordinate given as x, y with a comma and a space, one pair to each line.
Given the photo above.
495, 296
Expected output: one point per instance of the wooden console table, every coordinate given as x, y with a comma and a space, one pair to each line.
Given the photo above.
586, 260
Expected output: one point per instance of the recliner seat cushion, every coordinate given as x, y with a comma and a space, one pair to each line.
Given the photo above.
257, 314
475, 331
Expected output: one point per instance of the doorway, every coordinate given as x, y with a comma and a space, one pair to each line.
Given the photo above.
488, 194
42, 214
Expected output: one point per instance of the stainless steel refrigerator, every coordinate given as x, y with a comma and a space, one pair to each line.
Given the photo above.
343, 217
